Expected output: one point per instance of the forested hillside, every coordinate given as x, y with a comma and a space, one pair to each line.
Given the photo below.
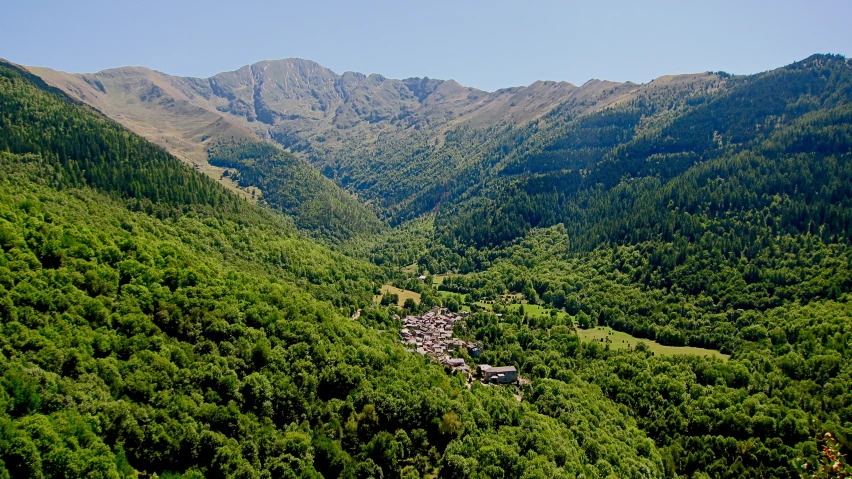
292, 186
739, 243
567, 172
394, 143
711, 214
788, 378
513, 157
85, 149
171, 328
153, 321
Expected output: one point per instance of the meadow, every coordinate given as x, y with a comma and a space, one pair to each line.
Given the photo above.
403, 294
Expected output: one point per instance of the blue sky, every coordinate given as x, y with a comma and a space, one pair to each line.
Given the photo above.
486, 44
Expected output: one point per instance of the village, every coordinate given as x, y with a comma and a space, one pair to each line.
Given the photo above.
432, 335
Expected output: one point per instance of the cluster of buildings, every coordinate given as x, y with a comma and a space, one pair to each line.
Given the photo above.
432, 335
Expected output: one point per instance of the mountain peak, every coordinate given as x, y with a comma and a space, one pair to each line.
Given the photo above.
292, 64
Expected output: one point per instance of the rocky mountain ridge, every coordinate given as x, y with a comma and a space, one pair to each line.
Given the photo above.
390, 142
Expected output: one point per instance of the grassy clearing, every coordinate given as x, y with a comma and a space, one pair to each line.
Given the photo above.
623, 341
530, 310
618, 339
402, 293
535, 311
448, 294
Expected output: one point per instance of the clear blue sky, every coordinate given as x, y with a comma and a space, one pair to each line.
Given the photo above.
486, 44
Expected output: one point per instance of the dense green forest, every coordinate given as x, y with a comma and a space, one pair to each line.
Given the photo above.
128, 347
294, 187
154, 323
578, 171
727, 226
492, 183
167, 335
85, 149
788, 378
713, 216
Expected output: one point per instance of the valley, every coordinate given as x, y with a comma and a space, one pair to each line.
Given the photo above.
232, 276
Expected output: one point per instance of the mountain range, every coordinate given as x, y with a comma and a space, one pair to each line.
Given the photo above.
295, 100
352, 127
205, 277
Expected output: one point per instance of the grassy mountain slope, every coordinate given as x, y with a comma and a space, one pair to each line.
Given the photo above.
172, 113
372, 135
171, 328
412, 146
146, 102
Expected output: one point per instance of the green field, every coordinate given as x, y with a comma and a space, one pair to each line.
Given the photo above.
448, 294
534, 310
485, 306
623, 341
530, 310
402, 293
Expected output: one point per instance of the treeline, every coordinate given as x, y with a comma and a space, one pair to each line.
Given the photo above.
731, 219
90, 150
